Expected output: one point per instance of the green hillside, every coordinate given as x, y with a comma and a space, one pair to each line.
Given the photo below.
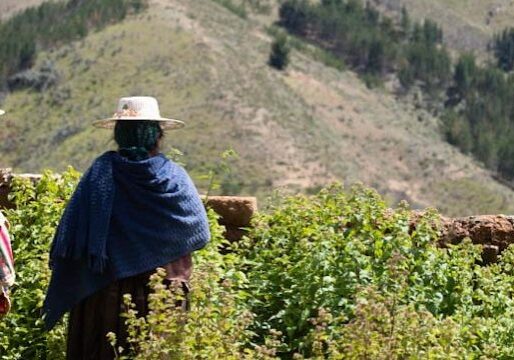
300, 129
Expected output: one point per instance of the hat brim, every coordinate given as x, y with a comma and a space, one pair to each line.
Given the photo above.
168, 124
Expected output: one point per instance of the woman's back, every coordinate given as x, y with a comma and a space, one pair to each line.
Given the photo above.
133, 211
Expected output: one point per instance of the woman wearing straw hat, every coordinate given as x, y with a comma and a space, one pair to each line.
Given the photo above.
133, 211
6, 263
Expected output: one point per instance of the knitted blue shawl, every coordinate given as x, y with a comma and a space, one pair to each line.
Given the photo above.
125, 218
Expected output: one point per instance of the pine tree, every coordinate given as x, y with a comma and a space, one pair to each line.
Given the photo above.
405, 21
465, 73
294, 16
279, 56
331, 2
504, 49
376, 58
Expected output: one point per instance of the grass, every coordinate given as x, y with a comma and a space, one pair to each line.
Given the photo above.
468, 190
95, 84
238, 9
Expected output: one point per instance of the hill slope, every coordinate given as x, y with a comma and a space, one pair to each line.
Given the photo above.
298, 129
468, 25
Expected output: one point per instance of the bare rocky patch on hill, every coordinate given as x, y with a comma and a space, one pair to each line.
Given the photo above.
10, 7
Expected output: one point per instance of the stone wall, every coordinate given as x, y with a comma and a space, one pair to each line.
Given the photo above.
235, 213
494, 232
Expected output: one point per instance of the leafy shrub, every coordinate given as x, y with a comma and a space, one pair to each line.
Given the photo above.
382, 329
33, 222
336, 275
214, 327
380, 279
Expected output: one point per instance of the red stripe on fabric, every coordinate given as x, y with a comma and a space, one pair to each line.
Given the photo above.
6, 242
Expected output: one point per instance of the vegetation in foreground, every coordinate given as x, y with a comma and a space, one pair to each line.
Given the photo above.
334, 275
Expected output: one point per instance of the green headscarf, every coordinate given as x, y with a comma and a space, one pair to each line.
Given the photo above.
137, 138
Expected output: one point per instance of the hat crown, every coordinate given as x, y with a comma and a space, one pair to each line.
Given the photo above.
144, 108
141, 107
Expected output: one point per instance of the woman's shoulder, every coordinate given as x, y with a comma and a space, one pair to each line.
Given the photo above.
175, 168
102, 159
178, 174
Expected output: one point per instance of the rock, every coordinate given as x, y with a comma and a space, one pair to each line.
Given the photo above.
495, 230
36, 79
234, 211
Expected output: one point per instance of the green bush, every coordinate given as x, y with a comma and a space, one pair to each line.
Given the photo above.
336, 275
387, 288
33, 222
214, 327
279, 55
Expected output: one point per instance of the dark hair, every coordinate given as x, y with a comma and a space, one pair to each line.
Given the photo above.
137, 138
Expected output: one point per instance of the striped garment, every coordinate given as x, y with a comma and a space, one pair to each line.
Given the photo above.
6, 256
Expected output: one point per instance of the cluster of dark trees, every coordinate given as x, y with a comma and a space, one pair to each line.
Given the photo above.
52, 24
503, 47
479, 116
477, 101
369, 43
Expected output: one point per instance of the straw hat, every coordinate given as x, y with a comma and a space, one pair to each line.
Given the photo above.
138, 108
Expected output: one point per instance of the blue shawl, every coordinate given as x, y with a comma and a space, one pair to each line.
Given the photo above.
125, 218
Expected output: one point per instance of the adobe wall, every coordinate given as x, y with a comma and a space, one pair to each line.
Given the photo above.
494, 232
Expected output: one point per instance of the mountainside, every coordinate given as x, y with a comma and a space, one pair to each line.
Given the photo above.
468, 24
297, 129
